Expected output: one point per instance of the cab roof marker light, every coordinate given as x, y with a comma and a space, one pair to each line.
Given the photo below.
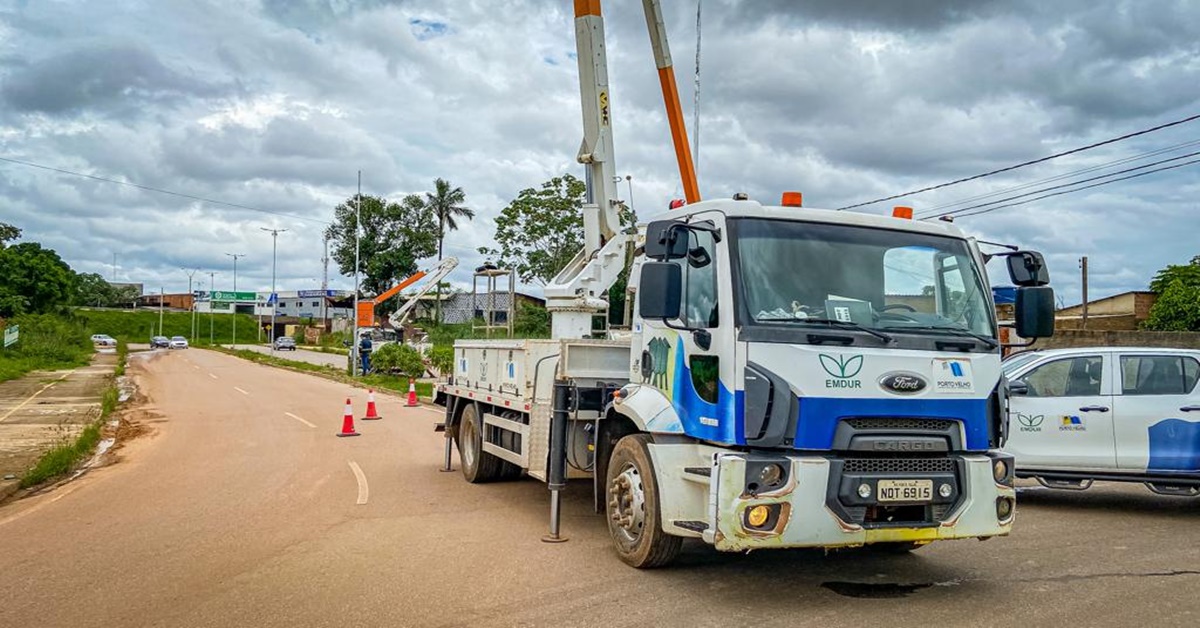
792, 199
900, 211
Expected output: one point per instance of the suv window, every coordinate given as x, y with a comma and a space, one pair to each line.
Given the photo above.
1071, 377
1158, 374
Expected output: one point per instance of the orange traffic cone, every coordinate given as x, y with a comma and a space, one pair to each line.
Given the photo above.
348, 421
372, 415
412, 395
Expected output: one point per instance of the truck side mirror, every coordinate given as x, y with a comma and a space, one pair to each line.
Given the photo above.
666, 240
1028, 268
1034, 311
660, 290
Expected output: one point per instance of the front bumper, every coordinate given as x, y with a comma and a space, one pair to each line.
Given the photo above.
810, 510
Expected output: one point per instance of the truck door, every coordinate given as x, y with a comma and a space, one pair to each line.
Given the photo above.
1157, 414
694, 367
1065, 419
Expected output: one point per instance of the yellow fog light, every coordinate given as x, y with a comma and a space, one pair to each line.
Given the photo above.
758, 516
1000, 470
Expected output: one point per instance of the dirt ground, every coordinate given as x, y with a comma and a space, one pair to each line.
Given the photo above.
47, 408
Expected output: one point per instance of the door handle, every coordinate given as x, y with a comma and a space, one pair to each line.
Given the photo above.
1098, 409
1190, 409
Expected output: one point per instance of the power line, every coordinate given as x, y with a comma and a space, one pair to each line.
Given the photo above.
1027, 163
159, 190
1024, 186
1094, 185
1066, 185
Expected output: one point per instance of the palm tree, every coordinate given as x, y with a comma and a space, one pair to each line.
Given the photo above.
446, 203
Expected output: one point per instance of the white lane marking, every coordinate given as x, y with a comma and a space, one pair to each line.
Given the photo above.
212, 376
196, 367
299, 419
240, 390
363, 491
31, 397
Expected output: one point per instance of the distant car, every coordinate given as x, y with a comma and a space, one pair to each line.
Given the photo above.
160, 342
103, 340
179, 342
283, 343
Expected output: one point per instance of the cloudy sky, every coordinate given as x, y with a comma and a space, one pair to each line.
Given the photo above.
276, 105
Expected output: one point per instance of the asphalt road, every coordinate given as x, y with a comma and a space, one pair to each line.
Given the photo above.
302, 355
242, 508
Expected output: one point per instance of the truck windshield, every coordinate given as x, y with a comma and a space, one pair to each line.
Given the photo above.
899, 281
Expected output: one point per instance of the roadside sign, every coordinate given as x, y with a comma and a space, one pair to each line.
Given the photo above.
273, 299
219, 295
11, 334
305, 294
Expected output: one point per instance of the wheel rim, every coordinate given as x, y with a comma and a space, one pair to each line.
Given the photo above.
627, 504
467, 439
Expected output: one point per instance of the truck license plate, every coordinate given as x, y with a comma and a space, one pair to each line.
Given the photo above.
905, 490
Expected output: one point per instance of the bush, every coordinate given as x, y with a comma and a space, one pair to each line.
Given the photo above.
441, 357
395, 357
47, 341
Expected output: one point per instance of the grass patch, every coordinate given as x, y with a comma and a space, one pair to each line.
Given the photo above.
376, 381
47, 342
63, 458
137, 326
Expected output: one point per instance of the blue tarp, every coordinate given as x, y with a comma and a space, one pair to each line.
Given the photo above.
1004, 294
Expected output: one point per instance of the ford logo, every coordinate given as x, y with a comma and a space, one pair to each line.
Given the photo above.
902, 383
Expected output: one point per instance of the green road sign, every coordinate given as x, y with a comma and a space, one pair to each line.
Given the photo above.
11, 334
234, 296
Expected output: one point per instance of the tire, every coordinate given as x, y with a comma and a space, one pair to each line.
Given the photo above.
478, 466
641, 544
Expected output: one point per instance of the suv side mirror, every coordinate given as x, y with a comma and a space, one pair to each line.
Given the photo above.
660, 290
1034, 311
1028, 268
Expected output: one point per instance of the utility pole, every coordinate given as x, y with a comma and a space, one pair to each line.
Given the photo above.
192, 297
357, 231
235, 257
274, 297
1083, 266
212, 287
160, 310
325, 287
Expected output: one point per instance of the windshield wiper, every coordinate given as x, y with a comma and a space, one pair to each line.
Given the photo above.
953, 331
846, 325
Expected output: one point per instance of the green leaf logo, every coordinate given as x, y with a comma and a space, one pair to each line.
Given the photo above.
1030, 420
841, 367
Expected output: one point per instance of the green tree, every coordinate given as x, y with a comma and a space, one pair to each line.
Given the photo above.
395, 357
447, 204
34, 280
532, 321
394, 236
541, 230
1188, 273
441, 358
1176, 309
8, 233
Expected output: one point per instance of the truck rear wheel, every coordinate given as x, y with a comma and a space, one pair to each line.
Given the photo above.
634, 512
477, 465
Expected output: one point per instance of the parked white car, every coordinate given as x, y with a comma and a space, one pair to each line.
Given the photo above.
103, 340
1106, 413
179, 342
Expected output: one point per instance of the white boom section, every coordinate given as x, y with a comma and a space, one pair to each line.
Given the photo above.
433, 277
574, 294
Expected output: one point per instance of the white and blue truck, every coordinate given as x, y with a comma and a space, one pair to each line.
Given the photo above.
792, 377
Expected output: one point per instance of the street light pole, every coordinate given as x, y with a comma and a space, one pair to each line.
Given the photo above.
357, 231
192, 329
212, 287
160, 309
235, 257
274, 297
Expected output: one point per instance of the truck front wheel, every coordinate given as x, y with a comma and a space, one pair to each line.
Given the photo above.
477, 465
633, 510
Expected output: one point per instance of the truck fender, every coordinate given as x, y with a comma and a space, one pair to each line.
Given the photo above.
649, 409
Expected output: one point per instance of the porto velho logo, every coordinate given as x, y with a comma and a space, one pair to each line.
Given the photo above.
843, 370
1030, 422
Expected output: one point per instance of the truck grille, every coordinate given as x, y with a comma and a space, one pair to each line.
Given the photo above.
899, 423
898, 465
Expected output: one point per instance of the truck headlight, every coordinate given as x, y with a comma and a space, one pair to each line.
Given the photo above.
1000, 470
770, 475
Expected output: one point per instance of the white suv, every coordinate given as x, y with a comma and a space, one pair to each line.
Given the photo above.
1106, 413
